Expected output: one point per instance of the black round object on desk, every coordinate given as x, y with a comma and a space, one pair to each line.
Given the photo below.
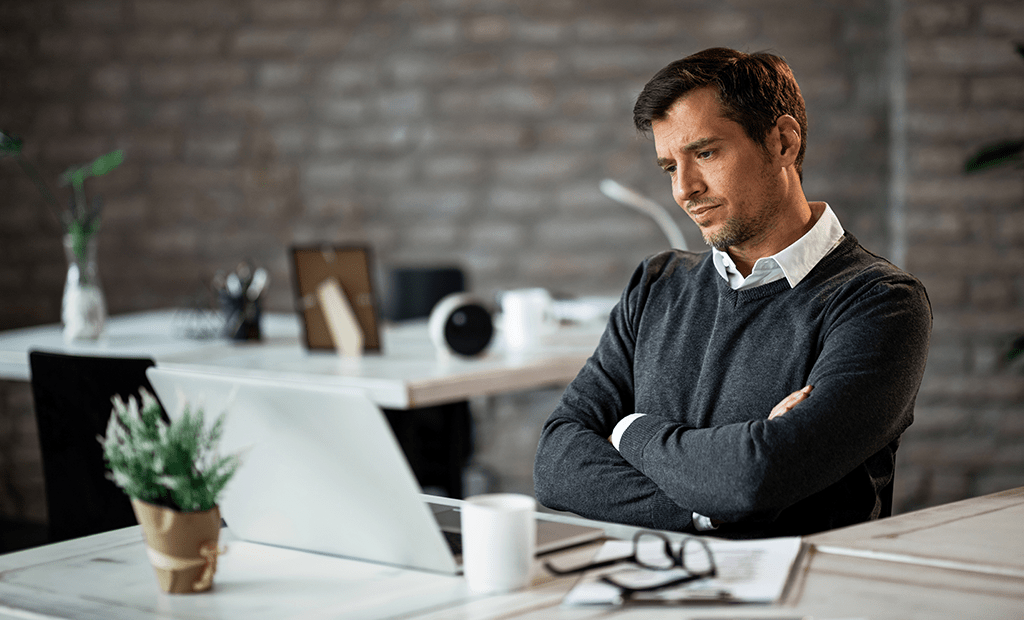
461, 324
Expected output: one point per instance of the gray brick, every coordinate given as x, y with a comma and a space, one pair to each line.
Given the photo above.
945, 93
1004, 18
991, 292
541, 167
598, 232
472, 67
497, 135
327, 43
519, 200
535, 64
54, 118
497, 236
959, 54
436, 32
178, 43
176, 80
452, 168
283, 75
344, 76
75, 46
539, 31
329, 174
212, 149
112, 80
275, 11
103, 115
999, 481
95, 12
401, 104
74, 148
930, 18
1005, 91
186, 12
434, 203
470, 102
270, 42
488, 29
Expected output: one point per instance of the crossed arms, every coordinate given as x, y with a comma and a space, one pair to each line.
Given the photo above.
720, 447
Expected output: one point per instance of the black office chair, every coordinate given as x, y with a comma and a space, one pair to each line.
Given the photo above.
437, 440
72, 397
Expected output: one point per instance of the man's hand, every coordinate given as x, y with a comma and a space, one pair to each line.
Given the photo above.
790, 401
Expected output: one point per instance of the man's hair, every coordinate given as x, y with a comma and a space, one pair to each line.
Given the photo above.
754, 90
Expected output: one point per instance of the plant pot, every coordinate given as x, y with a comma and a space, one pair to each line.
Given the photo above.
182, 546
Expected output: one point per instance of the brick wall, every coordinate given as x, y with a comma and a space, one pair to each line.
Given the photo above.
965, 240
476, 132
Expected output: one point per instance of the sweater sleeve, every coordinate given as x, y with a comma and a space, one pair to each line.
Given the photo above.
865, 378
576, 468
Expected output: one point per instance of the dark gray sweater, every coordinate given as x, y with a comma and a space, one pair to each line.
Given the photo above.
707, 364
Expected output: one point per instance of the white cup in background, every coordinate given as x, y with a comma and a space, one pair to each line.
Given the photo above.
526, 316
499, 536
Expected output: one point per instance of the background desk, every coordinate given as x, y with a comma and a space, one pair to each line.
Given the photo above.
108, 575
407, 373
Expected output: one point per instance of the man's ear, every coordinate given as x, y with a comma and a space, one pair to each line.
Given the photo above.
789, 138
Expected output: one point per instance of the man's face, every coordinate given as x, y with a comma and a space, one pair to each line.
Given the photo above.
724, 181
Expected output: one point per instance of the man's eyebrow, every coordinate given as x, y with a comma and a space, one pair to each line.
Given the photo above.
696, 145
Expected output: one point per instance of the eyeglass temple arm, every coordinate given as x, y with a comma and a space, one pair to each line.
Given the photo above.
627, 591
585, 567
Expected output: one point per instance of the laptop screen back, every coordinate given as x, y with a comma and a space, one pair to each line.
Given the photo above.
321, 469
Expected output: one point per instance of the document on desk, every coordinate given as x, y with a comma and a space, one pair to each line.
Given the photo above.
748, 571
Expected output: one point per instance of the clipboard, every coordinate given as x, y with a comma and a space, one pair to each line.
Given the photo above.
350, 266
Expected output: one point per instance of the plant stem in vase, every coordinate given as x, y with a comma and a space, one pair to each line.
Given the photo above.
83, 308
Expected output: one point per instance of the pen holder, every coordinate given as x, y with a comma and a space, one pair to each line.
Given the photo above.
241, 316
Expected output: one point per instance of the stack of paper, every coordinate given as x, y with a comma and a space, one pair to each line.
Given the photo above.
749, 571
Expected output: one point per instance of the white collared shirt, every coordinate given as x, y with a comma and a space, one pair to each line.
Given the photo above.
793, 263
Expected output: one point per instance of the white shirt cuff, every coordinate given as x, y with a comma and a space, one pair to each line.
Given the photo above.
622, 426
702, 523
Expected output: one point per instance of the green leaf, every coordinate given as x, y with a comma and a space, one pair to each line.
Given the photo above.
106, 163
169, 465
9, 145
995, 155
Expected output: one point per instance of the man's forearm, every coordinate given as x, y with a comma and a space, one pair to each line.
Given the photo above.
579, 471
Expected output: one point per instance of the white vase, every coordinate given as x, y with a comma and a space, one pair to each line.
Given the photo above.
83, 308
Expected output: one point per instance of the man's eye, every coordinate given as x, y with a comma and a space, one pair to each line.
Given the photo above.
669, 170
704, 154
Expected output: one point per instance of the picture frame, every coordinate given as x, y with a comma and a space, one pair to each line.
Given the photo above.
351, 266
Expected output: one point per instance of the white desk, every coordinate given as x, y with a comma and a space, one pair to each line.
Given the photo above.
108, 576
407, 373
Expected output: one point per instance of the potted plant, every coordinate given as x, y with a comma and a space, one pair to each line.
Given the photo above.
83, 308
173, 475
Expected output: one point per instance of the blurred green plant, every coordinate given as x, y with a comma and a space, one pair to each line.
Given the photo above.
996, 155
172, 465
79, 220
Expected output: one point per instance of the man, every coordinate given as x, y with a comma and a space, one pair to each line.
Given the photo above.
759, 389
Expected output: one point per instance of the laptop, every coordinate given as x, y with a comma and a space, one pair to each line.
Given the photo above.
323, 472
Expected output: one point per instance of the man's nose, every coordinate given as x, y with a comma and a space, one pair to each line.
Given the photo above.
689, 184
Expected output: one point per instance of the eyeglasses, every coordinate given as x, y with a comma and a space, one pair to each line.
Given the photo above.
654, 552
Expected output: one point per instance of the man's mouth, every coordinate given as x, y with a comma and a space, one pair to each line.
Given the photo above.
700, 209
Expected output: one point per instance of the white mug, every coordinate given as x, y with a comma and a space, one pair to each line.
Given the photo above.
499, 537
526, 316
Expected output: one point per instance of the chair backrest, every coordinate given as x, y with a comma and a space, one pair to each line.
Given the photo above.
72, 395
412, 292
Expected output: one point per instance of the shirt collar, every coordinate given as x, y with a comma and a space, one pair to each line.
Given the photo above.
793, 263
